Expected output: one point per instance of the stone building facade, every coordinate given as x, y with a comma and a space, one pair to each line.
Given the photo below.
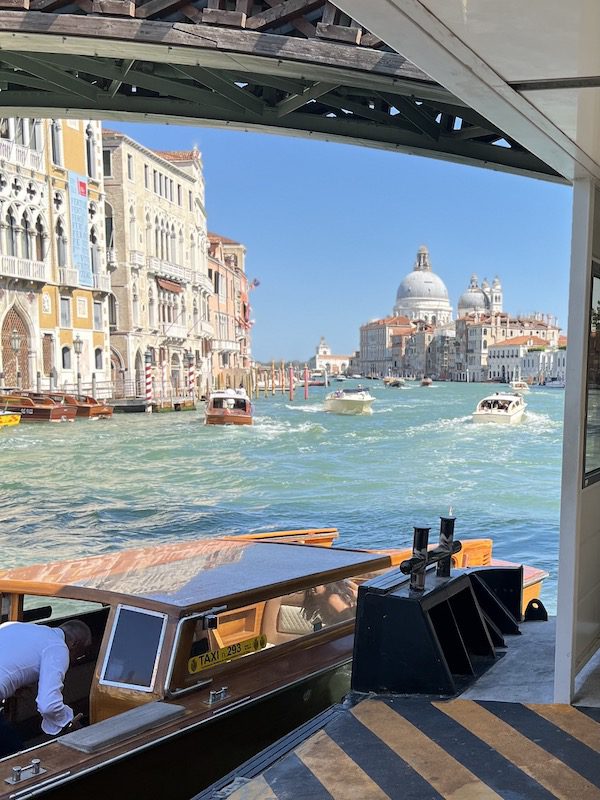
324, 359
161, 290
380, 344
54, 283
229, 310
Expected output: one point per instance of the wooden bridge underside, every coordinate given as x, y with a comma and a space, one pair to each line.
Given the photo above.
300, 67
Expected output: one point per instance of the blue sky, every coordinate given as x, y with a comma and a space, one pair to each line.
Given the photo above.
332, 229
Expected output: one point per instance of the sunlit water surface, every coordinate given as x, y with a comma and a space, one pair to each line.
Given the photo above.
70, 490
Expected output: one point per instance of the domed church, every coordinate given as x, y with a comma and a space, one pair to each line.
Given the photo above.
422, 295
484, 299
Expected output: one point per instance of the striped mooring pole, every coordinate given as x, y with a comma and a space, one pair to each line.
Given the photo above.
148, 376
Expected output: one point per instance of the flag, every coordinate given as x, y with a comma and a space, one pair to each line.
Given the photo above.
254, 284
82, 188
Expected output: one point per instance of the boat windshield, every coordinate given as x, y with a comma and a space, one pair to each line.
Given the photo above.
133, 649
246, 631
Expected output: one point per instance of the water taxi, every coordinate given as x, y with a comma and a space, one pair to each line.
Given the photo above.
202, 653
349, 401
393, 383
34, 407
87, 407
8, 420
228, 407
426, 381
317, 378
520, 387
503, 408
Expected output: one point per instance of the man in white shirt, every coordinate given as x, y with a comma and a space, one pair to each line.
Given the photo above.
32, 654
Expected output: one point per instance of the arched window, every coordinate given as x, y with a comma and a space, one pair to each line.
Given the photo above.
195, 317
151, 309
98, 358
109, 227
12, 233
66, 358
173, 237
35, 134
94, 251
90, 151
40, 236
135, 305
26, 250
133, 243
56, 142
112, 312
61, 244
156, 237
192, 252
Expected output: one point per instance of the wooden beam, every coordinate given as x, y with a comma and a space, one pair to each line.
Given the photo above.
330, 13
116, 84
471, 132
333, 100
214, 16
114, 8
413, 114
281, 13
191, 12
339, 33
300, 24
20, 78
298, 100
224, 87
159, 6
41, 69
15, 5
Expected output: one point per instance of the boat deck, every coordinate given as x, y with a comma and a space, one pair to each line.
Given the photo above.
502, 738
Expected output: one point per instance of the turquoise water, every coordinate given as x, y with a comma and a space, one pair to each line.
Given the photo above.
82, 488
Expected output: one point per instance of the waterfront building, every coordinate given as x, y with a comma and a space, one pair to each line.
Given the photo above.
529, 358
156, 232
379, 345
53, 277
230, 310
475, 333
440, 353
422, 295
325, 359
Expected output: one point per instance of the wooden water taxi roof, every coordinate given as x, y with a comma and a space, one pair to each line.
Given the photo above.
178, 577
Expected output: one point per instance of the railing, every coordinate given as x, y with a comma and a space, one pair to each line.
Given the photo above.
101, 282
15, 267
202, 281
173, 331
225, 346
23, 156
136, 259
168, 270
68, 277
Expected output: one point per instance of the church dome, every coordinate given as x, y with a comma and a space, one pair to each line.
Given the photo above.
422, 294
474, 299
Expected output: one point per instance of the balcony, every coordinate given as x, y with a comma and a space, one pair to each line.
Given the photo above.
136, 259
22, 156
225, 346
202, 281
204, 329
101, 282
68, 277
172, 330
167, 270
111, 259
14, 267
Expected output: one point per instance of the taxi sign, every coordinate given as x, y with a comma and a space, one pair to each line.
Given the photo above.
237, 650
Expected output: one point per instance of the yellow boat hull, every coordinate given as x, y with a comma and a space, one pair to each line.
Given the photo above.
8, 420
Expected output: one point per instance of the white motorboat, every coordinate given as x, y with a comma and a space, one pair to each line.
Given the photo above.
340, 378
520, 387
349, 401
504, 408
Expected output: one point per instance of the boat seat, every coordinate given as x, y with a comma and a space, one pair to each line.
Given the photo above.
122, 726
283, 619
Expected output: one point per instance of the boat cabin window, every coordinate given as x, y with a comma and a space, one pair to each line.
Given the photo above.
246, 631
134, 648
237, 403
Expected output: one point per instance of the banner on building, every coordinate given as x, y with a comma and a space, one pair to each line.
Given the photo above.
80, 234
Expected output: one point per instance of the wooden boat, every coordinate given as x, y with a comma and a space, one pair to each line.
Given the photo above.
502, 408
426, 381
86, 405
520, 387
229, 407
393, 383
8, 420
202, 653
37, 407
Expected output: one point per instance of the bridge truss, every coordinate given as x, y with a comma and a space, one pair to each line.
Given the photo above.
290, 66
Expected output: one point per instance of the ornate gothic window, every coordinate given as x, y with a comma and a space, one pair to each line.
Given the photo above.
61, 243
56, 142
26, 234
12, 233
66, 358
94, 251
90, 151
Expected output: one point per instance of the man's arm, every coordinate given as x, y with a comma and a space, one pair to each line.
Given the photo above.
53, 668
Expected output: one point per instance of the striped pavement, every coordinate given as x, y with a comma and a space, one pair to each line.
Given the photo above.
408, 748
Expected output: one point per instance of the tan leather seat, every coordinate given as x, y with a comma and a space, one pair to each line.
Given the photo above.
283, 619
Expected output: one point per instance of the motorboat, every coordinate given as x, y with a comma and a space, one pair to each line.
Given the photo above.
340, 378
426, 381
393, 383
520, 387
86, 405
34, 407
554, 383
8, 419
229, 407
349, 401
202, 652
317, 378
504, 408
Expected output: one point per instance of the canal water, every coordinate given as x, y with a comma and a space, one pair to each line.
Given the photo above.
83, 488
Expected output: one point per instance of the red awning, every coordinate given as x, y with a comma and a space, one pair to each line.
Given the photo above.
169, 286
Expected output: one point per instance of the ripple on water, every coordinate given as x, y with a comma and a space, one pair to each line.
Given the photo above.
71, 490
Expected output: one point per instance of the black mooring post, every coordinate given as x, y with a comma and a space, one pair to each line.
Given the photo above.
446, 540
419, 558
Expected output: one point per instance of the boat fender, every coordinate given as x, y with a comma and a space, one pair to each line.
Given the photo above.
535, 611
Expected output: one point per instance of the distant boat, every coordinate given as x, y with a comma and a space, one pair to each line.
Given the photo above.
521, 387
554, 383
340, 378
349, 401
503, 408
8, 419
426, 381
393, 383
